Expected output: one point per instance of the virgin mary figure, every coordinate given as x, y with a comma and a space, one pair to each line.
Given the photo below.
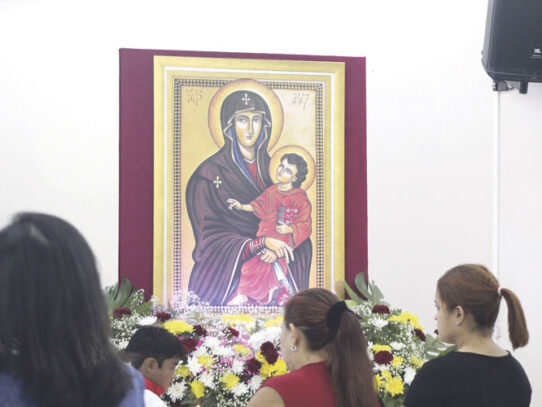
224, 240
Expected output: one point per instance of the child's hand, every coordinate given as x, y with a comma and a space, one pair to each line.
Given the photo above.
283, 228
233, 204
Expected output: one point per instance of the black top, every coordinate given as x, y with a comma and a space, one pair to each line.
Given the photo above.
462, 379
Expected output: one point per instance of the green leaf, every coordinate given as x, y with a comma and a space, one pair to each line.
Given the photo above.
125, 291
359, 280
378, 297
353, 296
144, 309
351, 303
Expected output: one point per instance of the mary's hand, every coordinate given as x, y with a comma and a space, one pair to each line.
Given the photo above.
268, 256
280, 248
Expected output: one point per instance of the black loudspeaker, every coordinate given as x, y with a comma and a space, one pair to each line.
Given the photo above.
512, 53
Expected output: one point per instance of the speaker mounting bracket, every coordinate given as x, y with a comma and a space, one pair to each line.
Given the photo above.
500, 85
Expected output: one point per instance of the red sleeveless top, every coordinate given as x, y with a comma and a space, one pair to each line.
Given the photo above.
309, 386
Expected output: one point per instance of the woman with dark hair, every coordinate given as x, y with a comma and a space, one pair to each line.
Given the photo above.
479, 373
54, 342
325, 349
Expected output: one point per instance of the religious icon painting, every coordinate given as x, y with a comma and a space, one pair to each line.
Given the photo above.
248, 179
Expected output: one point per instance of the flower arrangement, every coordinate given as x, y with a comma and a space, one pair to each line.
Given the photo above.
398, 345
230, 355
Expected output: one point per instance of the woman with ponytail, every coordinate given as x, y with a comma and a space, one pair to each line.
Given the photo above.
479, 373
325, 349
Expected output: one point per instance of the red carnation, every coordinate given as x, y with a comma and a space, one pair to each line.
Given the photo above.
266, 346
189, 344
119, 312
381, 309
231, 331
419, 333
163, 316
383, 357
199, 330
269, 352
253, 366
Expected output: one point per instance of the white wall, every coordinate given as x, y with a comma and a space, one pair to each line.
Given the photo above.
431, 126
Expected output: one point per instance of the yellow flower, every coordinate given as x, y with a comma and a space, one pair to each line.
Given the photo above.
397, 361
266, 371
206, 361
394, 386
405, 318
378, 382
240, 349
260, 357
230, 380
197, 388
385, 374
234, 320
416, 362
378, 348
177, 326
274, 322
280, 367
182, 371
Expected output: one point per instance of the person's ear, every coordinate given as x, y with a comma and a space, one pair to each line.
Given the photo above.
295, 335
459, 315
149, 365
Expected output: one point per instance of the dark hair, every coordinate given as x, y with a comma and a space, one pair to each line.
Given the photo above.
153, 342
345, 344
301, 165
54, 327
476, 290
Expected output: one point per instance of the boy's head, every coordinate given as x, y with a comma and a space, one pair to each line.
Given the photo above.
155, 353
292, 168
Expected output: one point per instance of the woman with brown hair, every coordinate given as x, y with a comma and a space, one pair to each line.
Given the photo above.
325, 349
479, 373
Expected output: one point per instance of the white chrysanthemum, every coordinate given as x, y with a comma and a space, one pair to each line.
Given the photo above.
237, 366
239, 389
201, 351
397, 345
193, 365
176, 391
212, 342
207, 379
223, 351
409, 375
270, 334
255, 383
150, 320
379, 323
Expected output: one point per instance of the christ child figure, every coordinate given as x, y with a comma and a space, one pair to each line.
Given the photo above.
284, 211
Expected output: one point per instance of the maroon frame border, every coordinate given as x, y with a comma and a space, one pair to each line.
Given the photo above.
136, 159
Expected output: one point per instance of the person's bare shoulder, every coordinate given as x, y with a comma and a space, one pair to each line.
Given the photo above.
266, 397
